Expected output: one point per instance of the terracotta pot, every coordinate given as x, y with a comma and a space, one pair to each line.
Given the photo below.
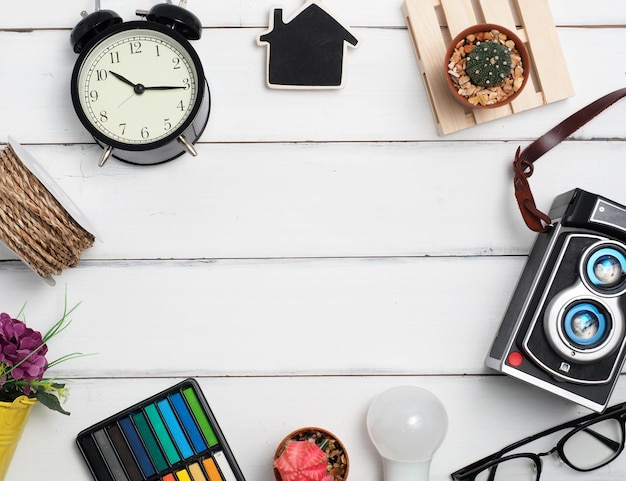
13, 416
338, 462
486, 27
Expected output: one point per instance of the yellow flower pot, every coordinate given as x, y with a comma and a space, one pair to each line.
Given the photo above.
13, 416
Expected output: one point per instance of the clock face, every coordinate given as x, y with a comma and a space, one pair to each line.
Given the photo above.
138, 87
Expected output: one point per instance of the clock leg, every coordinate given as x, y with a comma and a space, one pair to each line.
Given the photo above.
188, 146
106, 154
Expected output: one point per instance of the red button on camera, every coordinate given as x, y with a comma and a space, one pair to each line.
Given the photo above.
515, 359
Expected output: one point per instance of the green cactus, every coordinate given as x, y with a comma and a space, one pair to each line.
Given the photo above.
488, 64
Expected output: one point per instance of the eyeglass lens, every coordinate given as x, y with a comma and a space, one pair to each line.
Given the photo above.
587, 449
594, 445
515, 469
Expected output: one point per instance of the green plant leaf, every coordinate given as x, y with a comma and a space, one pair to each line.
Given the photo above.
50, 401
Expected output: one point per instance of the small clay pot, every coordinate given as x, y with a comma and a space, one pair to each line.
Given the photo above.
487, 27
338, 462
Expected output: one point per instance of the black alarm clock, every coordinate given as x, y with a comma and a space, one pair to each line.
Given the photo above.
139, 87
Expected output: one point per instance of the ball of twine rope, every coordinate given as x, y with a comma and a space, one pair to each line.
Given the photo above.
33, 223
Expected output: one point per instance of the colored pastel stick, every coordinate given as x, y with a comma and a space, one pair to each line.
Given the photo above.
196, 472
175, 429
169, 477
163, 436
124, 453
224, 465
183, 475
108, 452
188, 423
136, 445
200, 415
96, 461
211, 469
149, 441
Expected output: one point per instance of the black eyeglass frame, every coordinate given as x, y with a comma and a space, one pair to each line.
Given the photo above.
617, 412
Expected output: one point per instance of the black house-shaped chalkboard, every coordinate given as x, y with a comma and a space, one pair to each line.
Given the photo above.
307, 51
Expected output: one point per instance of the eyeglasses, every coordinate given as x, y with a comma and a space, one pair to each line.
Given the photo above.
592, 442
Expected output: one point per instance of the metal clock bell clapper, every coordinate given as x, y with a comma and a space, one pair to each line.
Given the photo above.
138, 87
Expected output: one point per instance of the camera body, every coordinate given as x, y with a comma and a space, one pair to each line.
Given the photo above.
565, 327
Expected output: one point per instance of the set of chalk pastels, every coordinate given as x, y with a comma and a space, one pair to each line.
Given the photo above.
171, 436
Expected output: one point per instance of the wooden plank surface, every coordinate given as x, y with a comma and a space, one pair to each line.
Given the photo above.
384, 104
550, 64
252, 13
320, 199
278, 309
322, 247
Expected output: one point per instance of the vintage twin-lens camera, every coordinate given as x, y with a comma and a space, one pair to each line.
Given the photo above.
564, 329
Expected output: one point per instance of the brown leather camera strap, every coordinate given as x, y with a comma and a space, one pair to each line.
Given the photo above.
524, 159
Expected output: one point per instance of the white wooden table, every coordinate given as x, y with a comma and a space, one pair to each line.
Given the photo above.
323, 247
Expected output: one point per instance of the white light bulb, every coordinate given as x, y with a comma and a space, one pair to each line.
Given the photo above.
407, 425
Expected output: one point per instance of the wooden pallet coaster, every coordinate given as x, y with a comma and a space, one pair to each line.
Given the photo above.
433, 23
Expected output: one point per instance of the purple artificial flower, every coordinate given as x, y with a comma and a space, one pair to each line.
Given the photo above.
21, 345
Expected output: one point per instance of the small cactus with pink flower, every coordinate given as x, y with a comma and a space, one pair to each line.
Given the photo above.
311, 454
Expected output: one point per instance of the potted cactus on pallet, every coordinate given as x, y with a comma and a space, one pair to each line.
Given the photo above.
486, 66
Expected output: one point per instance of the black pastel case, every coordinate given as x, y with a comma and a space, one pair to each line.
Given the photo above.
171, 436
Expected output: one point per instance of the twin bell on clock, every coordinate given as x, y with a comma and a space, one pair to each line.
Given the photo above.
139, 87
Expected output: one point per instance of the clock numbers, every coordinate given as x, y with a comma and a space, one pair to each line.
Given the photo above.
158, 53
145, 134
176, 62
123, 127
115, 57
104, 117
180, 106
167, 125
101, 75
93, 95
135, 47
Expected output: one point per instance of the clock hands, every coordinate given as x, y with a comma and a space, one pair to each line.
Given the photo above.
140, 88
123, 79
165, 87
126, 100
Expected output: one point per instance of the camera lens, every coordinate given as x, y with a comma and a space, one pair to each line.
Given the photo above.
585, 325
606, 268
